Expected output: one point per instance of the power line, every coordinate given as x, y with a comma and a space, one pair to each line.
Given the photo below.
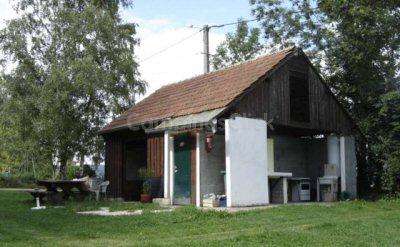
170, 46
200, 30
234, 23
208, 27
251, 20
190, 36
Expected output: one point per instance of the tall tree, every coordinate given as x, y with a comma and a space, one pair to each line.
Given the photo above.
74, 68
240, 46
355, 44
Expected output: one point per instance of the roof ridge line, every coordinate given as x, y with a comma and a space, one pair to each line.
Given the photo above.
228, 67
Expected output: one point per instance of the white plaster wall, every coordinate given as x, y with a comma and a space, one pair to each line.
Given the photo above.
246, 162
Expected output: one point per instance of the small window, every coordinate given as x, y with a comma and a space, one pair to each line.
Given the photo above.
299, 98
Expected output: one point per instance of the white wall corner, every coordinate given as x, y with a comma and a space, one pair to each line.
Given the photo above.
227, 166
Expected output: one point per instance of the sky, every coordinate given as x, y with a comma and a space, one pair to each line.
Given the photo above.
162, 23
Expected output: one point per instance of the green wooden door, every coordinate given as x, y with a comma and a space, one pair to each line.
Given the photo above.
182, 176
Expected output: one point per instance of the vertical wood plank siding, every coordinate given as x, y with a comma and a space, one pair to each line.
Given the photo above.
114, 159
271, 99
155, 154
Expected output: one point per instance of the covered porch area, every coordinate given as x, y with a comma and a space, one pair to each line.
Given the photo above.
250, 167
243, 161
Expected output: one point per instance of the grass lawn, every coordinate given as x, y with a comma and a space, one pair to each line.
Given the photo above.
347, 223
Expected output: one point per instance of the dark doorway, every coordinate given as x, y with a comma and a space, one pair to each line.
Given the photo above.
135, 158
299, 98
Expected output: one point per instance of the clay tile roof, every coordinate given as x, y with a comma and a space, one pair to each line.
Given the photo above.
198, 94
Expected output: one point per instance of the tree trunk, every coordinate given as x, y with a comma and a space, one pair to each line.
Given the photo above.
82, 160
33, 168
63, 168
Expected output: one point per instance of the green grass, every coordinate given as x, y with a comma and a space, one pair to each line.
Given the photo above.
342, 224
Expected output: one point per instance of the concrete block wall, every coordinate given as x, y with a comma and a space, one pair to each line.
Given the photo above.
276, 191
211, 165
302, 157
316, 157
290, 155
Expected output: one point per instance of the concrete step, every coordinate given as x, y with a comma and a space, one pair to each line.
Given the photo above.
163, 202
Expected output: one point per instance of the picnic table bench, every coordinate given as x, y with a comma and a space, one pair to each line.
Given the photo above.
58, 191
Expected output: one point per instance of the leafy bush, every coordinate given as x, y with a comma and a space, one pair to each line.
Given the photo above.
391, 176
72, 171
25, 180
145, 174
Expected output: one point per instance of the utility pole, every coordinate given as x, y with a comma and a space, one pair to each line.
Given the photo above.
206, 51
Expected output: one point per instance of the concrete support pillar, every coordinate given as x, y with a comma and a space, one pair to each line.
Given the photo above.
285, 190
198, 201
166, 165
171, 168
334, 152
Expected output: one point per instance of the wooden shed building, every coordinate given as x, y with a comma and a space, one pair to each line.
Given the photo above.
264, 131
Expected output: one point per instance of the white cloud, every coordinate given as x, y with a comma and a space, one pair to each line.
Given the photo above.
177, 63
6, 12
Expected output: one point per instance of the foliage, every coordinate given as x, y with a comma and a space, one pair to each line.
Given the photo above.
355, 44
146, 187
145, 175
303, 225
240, 46
74, 68
24, 180
73, 171
391, 176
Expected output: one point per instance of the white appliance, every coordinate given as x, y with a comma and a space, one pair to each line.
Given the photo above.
305, 190
301, 188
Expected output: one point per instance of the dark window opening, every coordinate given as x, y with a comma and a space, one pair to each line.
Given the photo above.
299, 99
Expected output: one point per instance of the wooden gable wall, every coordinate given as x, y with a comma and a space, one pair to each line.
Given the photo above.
271, 99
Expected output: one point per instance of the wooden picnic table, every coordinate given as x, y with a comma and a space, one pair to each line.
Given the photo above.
60, 190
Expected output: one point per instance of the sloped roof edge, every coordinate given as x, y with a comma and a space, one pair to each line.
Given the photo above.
214, 90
